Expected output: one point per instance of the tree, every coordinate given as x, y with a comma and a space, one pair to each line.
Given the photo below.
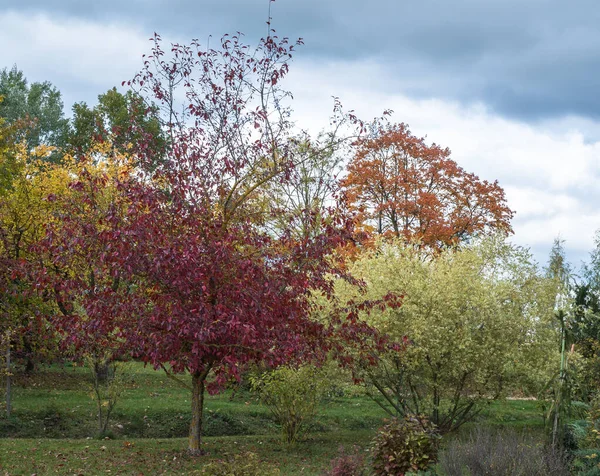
584, 323
306, 196
8, 162
478, 321
38, 103
24, 211
183, 270
112, 120
591, 270
71, 278
405, 188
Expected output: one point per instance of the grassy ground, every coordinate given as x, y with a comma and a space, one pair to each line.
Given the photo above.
166, 456
57, 403
54, 423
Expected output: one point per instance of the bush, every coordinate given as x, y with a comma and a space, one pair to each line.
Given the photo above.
404, 445
501, 453
293, 397
586, 463
245, 464
347, 464
586, 432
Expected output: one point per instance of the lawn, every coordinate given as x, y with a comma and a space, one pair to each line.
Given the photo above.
53, 427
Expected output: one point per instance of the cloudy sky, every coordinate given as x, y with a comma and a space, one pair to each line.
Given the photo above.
512, 87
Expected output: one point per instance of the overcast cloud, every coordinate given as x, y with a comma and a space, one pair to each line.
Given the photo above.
510, 86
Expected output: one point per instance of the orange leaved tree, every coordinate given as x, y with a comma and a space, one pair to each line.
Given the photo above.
405, 188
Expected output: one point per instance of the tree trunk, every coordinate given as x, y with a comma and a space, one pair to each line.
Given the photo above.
102, 371
195, 439
30, 362
8, 380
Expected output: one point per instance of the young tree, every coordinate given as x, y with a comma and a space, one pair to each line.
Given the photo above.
312, 186
27, 180
405, 188
201, 285
478, 321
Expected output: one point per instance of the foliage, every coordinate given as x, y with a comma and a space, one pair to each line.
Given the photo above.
558, 268
584, 326
293, 396
561, 389
39, 104
348, 463
73, 279
26, 178
176, 257
244, 464
403, 445
405, 188
569, 377
591, 270
500, 453
477, 321
119, 119
586, 433
311, 190
8, 163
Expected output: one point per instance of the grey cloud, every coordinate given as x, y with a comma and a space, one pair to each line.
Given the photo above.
531, 59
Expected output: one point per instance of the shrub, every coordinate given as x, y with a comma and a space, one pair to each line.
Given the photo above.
109, 382
586, 457
501, 453
404, 445
347, 464
244, 464
292, 396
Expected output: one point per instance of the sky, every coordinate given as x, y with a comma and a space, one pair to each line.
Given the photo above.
512, 87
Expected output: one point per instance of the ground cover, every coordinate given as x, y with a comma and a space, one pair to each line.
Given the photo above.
53, 428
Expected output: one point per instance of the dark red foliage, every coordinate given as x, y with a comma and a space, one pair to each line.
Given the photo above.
179, 265
181, 269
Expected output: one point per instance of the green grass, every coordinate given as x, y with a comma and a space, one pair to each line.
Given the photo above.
56, 403
54, 423
165, 456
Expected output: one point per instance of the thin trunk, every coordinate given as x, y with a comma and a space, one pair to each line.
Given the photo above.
8, 381
102, 371
556, 427
195, 438
101, 425
30, 355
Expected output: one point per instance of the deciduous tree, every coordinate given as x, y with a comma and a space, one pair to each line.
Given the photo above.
202, 286
406, 188
479, 321
38, 103
119, 120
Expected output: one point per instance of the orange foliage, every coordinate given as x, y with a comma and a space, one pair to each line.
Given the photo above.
402, 187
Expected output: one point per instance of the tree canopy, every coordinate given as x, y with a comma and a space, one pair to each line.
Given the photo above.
478, 321
403, 187
39, 105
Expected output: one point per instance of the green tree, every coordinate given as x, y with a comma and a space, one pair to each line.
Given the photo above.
118, 119
477, 322
303, 200
591, 270
8, 162
38, 104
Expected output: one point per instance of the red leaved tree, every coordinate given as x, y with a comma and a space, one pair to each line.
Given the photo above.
186, 272
404, 187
